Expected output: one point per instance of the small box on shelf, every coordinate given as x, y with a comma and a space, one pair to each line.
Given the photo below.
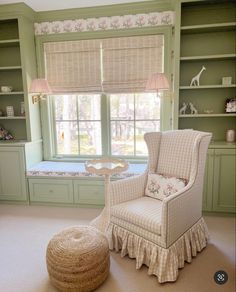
227, 80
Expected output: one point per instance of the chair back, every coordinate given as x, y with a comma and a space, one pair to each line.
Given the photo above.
176, 152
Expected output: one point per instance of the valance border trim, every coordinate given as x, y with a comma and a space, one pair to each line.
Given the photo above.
153, 19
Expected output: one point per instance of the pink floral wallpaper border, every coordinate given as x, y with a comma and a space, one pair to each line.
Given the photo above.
105, 23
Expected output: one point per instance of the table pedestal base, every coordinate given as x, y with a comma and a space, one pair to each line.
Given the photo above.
107, 167
102, 221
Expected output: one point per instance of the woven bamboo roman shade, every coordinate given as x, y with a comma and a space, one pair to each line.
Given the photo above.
107, 65
128, 62
73, 66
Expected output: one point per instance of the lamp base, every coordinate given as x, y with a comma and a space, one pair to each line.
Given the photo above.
37, 98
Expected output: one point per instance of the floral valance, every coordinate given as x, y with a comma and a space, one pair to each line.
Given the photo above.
105, 23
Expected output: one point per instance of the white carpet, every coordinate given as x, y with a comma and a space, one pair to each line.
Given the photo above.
26, 230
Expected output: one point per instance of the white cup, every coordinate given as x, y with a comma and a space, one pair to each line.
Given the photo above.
6, 88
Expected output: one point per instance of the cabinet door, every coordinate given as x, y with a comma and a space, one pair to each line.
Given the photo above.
208, 181
12, 174
224, 180
89, 192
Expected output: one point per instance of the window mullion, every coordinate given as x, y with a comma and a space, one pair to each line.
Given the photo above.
105, 125
134, 124
78, 124
54, 126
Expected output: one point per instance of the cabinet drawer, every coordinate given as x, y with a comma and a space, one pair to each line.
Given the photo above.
91, 193
51, 190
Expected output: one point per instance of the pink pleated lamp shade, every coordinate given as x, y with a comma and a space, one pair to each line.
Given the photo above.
40, 86
157, 82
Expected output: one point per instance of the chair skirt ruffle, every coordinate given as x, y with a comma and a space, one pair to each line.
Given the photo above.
162, 262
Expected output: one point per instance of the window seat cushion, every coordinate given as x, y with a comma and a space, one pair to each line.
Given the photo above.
76, 169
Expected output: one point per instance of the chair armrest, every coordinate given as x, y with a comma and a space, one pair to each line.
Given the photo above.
127, 189
180, 211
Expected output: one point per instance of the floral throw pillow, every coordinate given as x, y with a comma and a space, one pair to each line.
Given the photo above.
160, 186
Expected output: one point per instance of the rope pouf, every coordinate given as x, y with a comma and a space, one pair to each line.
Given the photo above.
78, 259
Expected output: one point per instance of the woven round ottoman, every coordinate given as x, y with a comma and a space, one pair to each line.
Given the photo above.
78, 259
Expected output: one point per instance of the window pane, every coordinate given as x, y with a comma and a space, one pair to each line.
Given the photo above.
122, 140
89, 107
147, 106
122, 106
141, 129
65, 107
67, 138
90, 138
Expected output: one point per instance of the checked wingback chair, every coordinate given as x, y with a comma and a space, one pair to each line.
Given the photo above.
162, 234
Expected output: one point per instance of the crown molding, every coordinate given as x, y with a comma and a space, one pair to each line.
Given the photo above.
9, 11
107, 10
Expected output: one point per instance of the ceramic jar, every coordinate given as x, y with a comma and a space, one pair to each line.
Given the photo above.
230, 135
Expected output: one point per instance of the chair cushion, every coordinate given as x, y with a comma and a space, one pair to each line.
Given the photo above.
144, 212
160, 186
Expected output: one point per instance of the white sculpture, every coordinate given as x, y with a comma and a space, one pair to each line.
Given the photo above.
193, 110
182, 110
195, 79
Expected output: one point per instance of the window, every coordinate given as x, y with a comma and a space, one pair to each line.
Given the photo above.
131, 116
77, 121
99, 103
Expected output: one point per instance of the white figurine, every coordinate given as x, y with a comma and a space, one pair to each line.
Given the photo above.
195, 79
193, 110
182, 111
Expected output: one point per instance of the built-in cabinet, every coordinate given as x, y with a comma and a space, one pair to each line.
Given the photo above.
219, 185
17, 69
15, 158
11, 76
67, 191
207, 40
224, 180
13, 183
205, 44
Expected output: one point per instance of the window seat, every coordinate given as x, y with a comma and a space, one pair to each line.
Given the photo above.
56, 169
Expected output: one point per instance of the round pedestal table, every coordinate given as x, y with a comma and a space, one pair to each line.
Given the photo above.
105, 167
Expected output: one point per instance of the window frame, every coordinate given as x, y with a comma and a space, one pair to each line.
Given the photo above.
78, 121
129, 157
46, 107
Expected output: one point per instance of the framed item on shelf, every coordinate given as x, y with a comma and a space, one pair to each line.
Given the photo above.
226, 80
10, 111
230, 105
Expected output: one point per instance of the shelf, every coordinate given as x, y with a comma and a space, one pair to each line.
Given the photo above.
208, 86
222, 144
8, 43
208, 27
13, 142
13, 118
12, 93
207, 115
10, 68
209, 57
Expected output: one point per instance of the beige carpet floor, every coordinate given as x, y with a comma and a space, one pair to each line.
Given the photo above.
26, 230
